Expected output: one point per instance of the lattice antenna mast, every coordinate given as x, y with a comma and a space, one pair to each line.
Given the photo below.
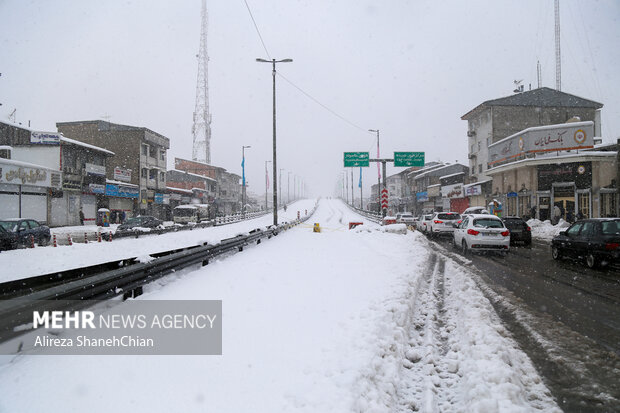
558, 55
201, 130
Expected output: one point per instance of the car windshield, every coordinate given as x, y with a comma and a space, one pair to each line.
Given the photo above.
134, 221
8, 225
488, 223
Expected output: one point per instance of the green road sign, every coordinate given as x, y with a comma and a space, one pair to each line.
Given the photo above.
356, 159
408, 158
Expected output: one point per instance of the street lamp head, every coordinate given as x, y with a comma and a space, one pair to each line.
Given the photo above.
284, 61
258, 59
373, 130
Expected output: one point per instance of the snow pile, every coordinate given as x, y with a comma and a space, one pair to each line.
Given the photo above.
544, 230
395, 228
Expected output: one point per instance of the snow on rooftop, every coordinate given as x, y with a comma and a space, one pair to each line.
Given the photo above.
25, 164
113, 182
451, 175
195, 175
85, 145
187, 191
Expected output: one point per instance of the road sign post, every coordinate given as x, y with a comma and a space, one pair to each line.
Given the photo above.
356, 159
408, 159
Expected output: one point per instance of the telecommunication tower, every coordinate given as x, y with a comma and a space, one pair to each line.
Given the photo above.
558, 55
201, 130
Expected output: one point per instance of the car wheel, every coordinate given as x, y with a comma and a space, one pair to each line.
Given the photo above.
591, 260
556, 253
44, 241
464, 248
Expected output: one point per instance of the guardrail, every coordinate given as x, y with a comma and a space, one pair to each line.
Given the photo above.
373, 216
103, 281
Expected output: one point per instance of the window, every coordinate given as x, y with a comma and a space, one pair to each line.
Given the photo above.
144, 172
574, 230
33, 224
152, 152
488, 223
24, 226
584, 204
153, 174
478, 145
162, 176
162, 155
609, 205
473, 170
145, 150
480, 168
588, 229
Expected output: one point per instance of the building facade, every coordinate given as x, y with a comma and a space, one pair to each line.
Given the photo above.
136, 175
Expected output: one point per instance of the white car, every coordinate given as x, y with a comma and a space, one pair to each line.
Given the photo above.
405, 218
442, 223
423, 222
482, 232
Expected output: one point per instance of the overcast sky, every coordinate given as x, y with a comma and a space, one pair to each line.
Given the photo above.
408, 68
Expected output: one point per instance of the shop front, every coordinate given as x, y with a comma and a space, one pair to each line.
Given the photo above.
121, 200
26, 189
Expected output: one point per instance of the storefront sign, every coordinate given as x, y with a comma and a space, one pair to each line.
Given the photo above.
45, 138
421, 196
175, 197
541, 139
512, 195
473, 190
96, 188
121, 191
159, 198
433, 191
94, 169
21, 175
123, 175
452, 191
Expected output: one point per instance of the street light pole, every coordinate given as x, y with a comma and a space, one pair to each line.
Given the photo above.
266, 184
275, 163
243, 179
288, 188
281, 169
378, 172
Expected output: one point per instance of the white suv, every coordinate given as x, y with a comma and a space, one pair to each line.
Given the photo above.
405, 218
442, 223
482, 233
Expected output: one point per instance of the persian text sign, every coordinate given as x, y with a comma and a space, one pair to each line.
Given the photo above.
567, 136
121, 174
408, 158
356, 159
452, 191
22, 175
45, 138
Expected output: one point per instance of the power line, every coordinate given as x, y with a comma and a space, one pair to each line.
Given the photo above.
256, 27
322, 105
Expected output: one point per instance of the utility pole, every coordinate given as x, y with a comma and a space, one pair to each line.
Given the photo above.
281, 169
275, 164
266, 184
378, 172
558, 55
352, 192
243, 179
361, 190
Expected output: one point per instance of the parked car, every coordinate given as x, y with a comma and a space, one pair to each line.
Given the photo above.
23, 228
442, 223
423, 222
405, 218
142, 221
519, 230
482, 232
595, 240
8, 240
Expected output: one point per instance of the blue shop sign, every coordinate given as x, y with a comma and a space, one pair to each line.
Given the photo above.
421, 196
512, 195
121, 191
159, 198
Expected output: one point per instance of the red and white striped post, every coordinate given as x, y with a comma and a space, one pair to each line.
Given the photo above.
110, 237
85, 238
99, 236
55, 243
31, 241
69, 238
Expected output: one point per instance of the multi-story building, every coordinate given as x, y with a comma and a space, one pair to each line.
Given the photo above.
496, 119
76, 176
136, 175
228, 189
428, 186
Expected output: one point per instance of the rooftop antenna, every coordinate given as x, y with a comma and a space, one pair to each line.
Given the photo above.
201, 129
558, 56
12, 115
518, 86
539, 74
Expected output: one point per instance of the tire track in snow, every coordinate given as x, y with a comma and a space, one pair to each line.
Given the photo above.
429, 373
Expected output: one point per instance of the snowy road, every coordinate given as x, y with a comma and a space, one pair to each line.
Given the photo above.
337, 321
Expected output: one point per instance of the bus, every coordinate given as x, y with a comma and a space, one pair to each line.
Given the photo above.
190, 213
